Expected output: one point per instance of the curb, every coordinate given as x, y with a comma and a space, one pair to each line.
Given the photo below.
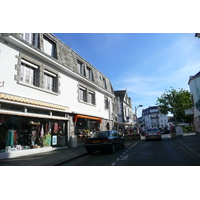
68, 160
191, 151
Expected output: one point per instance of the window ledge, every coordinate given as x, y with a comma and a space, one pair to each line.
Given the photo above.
37, 88
89, 104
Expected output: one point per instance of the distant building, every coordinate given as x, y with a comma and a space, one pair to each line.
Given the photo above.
152, 117
123, 109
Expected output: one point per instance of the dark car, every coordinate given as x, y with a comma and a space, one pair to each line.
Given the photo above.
104, 141
153, 133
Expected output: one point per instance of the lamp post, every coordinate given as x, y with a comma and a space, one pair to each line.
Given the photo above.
136, 116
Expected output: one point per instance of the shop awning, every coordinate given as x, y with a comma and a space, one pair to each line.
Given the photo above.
25, 101
32, 115
87, 117
120, 123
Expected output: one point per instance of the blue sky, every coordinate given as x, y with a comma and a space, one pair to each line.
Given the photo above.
143, 63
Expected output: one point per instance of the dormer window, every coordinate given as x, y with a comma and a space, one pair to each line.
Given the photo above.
104, 83
90, 74
106, 103
49, 46
81, 68
31, 38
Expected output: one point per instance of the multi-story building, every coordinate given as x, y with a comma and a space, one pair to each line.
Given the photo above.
152, 117
194, 84
123, 109
49, 93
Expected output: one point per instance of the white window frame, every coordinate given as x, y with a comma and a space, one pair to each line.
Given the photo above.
86, 95
31, 38
28, 72
90, 73
106, 103
82, 94
49, 81
81, 68
49, 46
104, 83
91, 97
28, 37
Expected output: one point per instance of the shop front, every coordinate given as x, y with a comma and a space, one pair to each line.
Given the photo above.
124, 128
25, 126
86, 125
19, 132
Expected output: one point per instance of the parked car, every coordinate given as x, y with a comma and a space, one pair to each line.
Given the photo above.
153, 133
105, 141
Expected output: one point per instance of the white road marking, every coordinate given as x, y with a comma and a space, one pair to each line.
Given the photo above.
124, 157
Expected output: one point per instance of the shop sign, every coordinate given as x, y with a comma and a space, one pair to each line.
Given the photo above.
54, 140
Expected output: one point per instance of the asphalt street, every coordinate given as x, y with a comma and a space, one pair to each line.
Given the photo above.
167, 152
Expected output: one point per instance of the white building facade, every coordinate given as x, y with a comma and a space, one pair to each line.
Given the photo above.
152, 117
48, 93
194, 85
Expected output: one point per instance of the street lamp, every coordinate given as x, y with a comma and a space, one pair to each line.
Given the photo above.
136, 117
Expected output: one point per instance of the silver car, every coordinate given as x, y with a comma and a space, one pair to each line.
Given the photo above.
152, 134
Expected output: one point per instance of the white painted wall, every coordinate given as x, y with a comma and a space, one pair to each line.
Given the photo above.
68, 87
195, 88
195, 91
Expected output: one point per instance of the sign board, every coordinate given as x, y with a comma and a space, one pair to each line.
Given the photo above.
179, 131
189, 112
54, 140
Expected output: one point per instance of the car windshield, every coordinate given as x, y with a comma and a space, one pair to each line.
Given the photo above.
152, 130
100, 134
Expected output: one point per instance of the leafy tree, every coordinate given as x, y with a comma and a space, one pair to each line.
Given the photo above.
176, 102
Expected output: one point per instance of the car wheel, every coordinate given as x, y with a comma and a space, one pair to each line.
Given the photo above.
113, 148
123, 144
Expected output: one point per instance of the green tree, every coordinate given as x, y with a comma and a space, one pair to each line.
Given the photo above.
175, 102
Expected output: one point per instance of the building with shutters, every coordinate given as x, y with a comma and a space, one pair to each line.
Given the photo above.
49, 94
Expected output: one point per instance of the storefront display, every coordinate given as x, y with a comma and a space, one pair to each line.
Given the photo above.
85, 125
19, 133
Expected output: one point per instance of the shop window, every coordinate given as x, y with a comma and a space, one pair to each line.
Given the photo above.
49, 81
81, 68
31, 38
82, 94
49, 46
11, 107
28, 72
91, 98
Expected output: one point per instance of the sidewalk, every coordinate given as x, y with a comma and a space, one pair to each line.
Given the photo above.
191, 142
56, 157
50, 158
